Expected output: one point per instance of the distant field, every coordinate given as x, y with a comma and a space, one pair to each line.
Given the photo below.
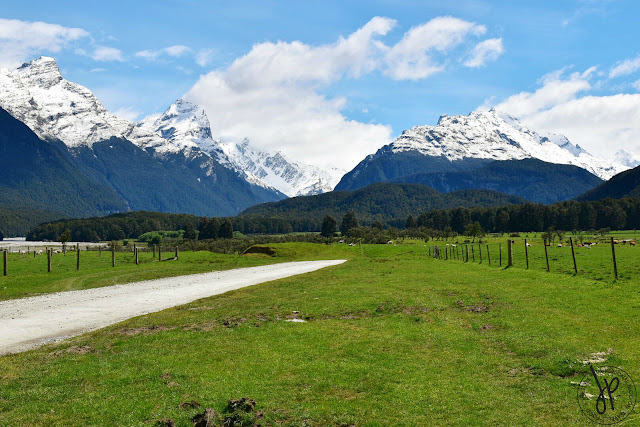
392, 337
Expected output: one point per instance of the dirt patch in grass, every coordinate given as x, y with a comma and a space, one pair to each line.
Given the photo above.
191, 404
481, 307
76, 349
143, 330
258, 249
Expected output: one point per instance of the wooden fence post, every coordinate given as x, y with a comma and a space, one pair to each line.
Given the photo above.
429, 251
136, 254
509, 253
49, 260
473, 254
176, 252
113, 255
613, 252
480, 252
467, 253
500, 252
488, 255
5, 262
159, 253
526, 252
546, 254
77, 256
573, 254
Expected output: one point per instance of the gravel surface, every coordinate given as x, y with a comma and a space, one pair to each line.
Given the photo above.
31, 322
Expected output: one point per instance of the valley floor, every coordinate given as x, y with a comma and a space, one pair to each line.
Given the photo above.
391, 337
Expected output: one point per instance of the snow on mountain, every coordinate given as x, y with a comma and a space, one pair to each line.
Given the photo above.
291, 178
496, 136
38, 95
184, 127
626, 158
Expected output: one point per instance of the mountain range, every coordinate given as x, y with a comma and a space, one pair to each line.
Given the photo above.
465, 143
64, 153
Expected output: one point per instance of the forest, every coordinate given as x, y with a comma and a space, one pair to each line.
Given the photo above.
573, 215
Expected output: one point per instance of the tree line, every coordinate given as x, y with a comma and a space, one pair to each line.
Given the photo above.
610, 213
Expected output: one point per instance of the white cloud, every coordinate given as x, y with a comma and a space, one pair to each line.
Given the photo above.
555, 91
173, 51
600, 124
21, 40
127, 113
488, 50
97, 70
412, 57
272, 95
104, 53
204, 57
626, 67
636, 85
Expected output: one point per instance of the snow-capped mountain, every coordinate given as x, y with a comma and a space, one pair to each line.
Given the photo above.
626, 158
162, 166
493, 135
38, 95
184, 127
291, 178
55, 108
440, 155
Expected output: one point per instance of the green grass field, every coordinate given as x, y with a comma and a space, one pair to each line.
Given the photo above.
595, 262
392, 337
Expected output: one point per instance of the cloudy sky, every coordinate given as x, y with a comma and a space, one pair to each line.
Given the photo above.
330, 82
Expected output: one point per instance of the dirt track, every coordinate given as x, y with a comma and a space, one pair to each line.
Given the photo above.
31, 322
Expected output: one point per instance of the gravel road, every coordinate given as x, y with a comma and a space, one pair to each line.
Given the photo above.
31, 322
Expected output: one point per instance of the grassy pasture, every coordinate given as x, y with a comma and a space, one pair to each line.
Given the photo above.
594, 263
391, 338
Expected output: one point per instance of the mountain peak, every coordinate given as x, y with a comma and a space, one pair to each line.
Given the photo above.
42, 72
494, 135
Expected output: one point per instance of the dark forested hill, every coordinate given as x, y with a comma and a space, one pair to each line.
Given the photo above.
532, 179
42, 175
381, 201
624, 184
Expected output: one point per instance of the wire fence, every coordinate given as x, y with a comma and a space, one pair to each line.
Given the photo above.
610, 258
94, 254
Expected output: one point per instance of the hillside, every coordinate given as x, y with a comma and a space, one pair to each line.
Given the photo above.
42, 175
380, 201
533, 179
625, 184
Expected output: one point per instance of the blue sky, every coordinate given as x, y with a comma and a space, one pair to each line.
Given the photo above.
329, 82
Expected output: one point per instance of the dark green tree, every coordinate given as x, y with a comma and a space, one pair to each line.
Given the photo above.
377, 224
190, 232
226, 229
474, 229
1, 236
411, 222
349, 221
329, 226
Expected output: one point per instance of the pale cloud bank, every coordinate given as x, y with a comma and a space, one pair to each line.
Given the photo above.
563, 104
272, 95
20, 40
